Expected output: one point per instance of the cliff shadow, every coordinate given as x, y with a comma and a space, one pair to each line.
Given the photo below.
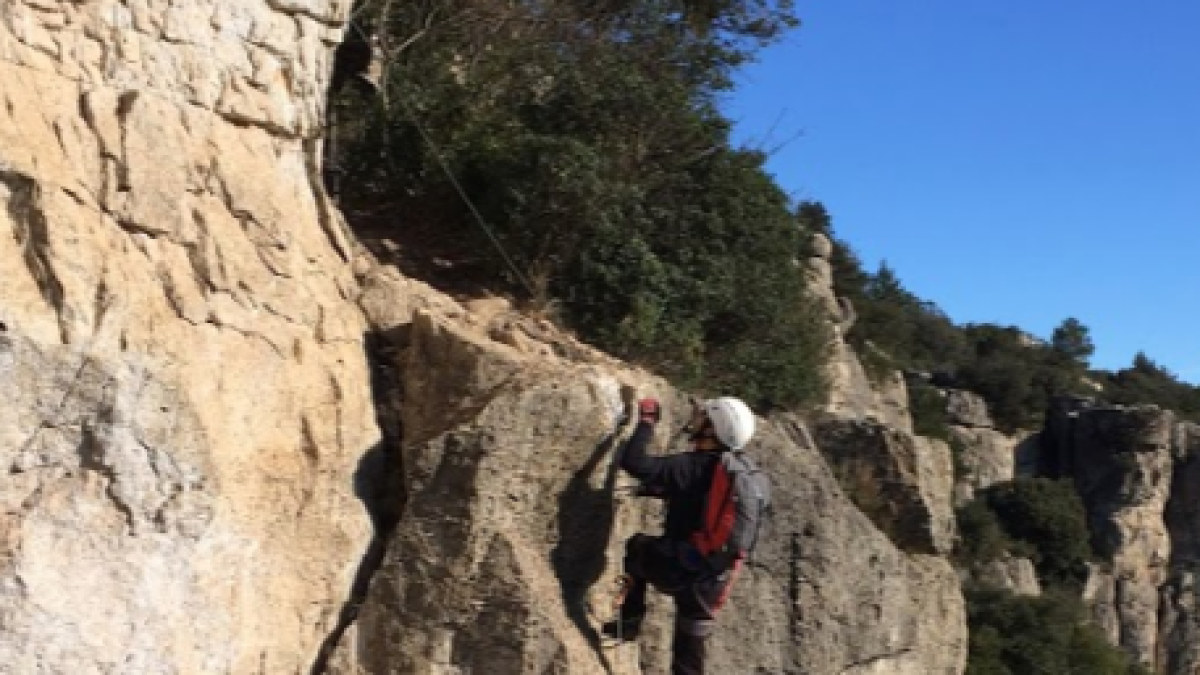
586, 516
378, 480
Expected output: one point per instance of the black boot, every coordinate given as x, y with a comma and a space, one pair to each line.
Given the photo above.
687, 654
625, 628
632, 604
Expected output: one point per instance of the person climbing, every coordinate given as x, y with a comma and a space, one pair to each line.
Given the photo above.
696, 558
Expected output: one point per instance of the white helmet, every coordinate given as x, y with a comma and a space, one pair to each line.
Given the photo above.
731, 419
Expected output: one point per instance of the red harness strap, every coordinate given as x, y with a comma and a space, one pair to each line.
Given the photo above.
733, 574
719, 514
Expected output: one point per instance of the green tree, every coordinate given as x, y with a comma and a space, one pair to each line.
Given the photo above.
1073, 341
814, 217
916, 334
1016, 374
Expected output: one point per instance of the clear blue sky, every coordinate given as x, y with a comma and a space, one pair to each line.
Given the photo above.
1015, 162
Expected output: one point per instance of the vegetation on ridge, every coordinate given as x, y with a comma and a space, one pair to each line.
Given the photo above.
587, 137
1016, 373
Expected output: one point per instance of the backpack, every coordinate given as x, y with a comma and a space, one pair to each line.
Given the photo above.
736, 504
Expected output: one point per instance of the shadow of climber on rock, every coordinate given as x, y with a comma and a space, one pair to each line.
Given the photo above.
585, 522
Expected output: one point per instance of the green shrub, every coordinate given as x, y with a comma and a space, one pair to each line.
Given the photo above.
981, 536
928, 408
1049, 635
1036, 518
1049, 517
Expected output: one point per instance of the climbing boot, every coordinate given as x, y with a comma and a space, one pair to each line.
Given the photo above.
622, 629
628, 623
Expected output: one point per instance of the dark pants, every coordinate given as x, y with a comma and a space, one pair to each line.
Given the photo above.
652, 561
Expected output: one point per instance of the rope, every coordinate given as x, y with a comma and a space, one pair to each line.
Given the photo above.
378, 9
437, 153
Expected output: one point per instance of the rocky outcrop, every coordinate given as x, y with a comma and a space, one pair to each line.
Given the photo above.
515, 519
1016, 575
852, 392
1133, 467
818, 273
180, 368
967, 409
904, 483
981, 454
985, 458
984, 455
1179, 622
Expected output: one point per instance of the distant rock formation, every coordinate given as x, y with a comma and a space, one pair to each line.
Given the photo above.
853, 394
1134, 467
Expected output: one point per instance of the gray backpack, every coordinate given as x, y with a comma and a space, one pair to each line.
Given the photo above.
736, 505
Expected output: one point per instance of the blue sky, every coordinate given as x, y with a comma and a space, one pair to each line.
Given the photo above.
1015, 162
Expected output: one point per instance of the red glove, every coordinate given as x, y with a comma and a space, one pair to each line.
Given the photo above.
649, 411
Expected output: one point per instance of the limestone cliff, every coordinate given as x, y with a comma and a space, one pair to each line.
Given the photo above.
1135, 468
181, 371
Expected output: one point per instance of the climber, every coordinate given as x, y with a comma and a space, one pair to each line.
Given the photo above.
699, 582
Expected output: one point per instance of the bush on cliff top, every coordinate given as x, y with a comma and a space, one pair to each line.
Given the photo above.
589, 140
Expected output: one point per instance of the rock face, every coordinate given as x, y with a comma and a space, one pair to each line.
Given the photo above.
1179, 649
853, 394
1015, 574
985, 455
515, 518
180, 369
228, 434
818, 273
967, 409
903, 482
1135, 470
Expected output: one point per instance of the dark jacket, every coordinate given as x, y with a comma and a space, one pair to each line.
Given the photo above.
682, 479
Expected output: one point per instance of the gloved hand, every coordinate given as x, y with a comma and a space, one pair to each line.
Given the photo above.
649, 410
